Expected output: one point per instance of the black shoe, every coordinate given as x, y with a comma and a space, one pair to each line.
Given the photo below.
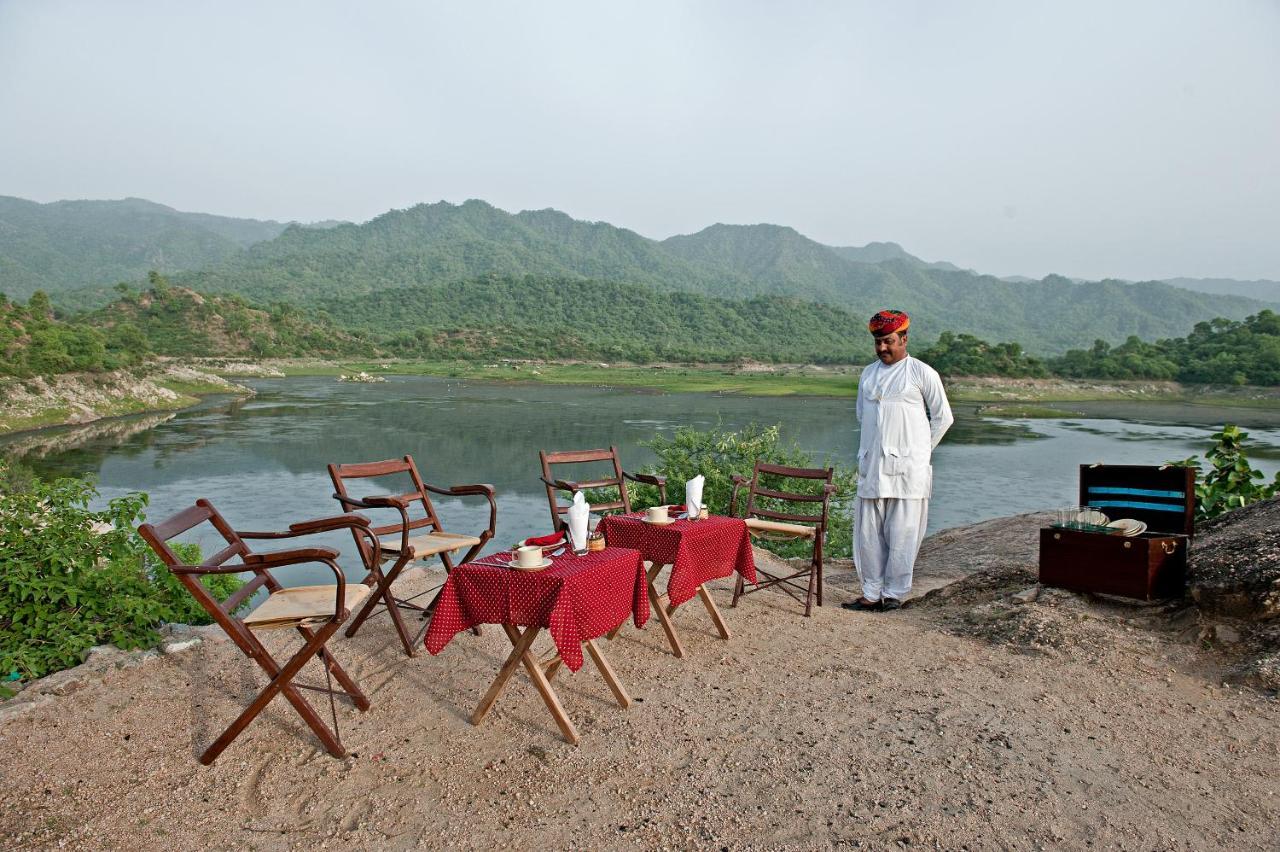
890, 603
862, 605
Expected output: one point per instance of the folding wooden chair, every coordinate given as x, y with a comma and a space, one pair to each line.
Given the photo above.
618, 481
414, 538
316, 612
771, 523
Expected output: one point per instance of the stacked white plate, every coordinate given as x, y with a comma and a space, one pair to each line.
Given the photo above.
1128, 527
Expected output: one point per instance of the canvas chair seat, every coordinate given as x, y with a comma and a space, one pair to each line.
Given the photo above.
302, 605
432, 544
762, 525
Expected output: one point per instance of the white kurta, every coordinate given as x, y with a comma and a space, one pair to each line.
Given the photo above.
903, 412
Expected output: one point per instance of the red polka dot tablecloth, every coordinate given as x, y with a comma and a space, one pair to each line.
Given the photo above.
576, 599
697, 551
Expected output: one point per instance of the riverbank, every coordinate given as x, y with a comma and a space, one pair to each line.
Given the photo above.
977, 717
70, 399
997, 396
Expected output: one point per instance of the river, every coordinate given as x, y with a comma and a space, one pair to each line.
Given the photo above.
261, 460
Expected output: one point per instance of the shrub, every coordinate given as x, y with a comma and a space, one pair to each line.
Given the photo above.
718, 454
1230, 482
68, 582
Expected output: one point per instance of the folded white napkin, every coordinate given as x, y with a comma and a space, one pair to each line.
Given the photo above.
693, 495
578, 514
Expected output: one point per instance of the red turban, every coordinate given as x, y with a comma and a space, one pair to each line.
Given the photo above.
887, 322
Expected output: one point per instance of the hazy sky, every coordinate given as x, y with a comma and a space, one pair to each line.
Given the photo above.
1128, 139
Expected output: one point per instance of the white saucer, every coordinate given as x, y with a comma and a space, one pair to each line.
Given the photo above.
660, 523
1128, 527
514, 563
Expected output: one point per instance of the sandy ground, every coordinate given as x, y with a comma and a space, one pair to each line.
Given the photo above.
967, 720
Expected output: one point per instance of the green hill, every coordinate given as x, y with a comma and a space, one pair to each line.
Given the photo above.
436, 243
167, 320
66, 245
507, 316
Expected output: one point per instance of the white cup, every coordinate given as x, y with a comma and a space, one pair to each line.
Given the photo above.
529, 556
656, 514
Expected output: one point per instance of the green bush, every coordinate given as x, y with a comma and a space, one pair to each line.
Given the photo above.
1230, 482
718, 454
66, 586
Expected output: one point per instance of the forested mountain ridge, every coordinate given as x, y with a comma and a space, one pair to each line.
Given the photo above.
431, 244
539, 317
1263, 289
440, 245
65, 245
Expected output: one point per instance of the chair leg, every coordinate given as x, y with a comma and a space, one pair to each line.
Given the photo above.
381, 589
811, 592
280, 683
818, 559
344, 680
382, 594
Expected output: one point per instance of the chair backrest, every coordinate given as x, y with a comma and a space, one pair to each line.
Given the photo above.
776, 472
401, 468
574, 457
160, 534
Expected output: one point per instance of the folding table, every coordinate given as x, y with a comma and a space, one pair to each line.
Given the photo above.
577, 599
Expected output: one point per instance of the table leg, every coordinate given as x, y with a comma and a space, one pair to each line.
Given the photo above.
551, 666
713, 611
521, 645
549, 697
606, 671
659, 605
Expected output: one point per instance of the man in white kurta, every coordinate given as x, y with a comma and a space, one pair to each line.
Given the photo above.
903, 412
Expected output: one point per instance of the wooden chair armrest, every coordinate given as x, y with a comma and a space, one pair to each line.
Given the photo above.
655, 479
647, 478
295, 556
210, 569
305, 556
475, 490
562, 484
316, 525
480, 489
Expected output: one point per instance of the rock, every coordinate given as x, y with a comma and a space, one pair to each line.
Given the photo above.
180, 645
60, 683
1261, 673
1234, 567
10, 710
1027, 596
1226, 635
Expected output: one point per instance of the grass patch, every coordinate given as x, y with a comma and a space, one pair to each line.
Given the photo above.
55, 416
669, 379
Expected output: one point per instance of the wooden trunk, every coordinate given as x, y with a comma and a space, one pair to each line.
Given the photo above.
1146, 566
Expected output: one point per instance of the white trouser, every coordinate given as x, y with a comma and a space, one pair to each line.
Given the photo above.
887, 536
